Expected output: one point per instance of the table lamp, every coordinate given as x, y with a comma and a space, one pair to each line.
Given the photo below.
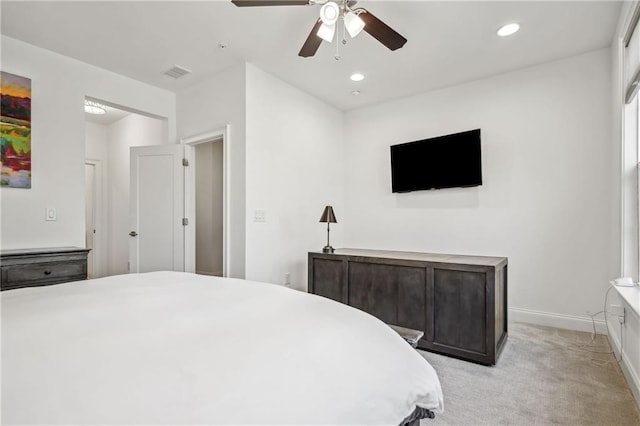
328, 217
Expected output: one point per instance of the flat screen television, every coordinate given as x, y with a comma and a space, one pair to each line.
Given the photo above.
449, 161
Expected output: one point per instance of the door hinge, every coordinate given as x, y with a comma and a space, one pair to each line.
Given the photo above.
185, 221
185, 162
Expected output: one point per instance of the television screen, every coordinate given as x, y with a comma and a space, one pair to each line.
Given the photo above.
443, 162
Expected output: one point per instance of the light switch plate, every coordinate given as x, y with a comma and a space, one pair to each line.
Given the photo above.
50, 214
259, 215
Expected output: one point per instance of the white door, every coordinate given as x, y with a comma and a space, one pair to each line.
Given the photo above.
157, 206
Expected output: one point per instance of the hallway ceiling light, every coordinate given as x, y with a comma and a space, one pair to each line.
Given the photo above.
94, 107
356, 76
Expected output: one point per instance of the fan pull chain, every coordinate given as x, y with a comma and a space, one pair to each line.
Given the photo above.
337, 55
344, 33
344, 38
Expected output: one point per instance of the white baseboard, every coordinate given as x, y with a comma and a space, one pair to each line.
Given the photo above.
568, 322
627, 367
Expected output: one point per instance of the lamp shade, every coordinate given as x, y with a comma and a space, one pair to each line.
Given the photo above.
353, 23
328, 216
329, 13
326, 32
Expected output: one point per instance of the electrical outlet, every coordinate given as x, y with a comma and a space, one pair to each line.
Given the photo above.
616, 309
287, 279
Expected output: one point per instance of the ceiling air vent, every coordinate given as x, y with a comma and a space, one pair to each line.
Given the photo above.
177, 71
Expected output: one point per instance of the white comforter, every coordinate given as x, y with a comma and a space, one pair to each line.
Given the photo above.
177, 348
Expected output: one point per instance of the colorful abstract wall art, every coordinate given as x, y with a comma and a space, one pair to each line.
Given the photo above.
15, 131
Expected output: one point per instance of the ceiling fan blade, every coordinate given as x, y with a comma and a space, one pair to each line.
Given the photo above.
381, 31
313, 42
251, 3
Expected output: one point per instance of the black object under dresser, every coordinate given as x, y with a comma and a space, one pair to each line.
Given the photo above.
44, 266
460, 302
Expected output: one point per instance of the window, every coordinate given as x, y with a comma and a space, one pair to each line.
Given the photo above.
630, 150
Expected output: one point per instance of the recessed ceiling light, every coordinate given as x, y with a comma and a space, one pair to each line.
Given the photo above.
357, 77
355, 92
94, 107
507, 30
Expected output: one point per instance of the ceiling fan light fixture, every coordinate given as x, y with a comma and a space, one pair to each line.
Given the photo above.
326, 32
94, 107
353, 23
329, 13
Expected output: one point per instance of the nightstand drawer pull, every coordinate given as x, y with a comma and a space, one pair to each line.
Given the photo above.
47, 272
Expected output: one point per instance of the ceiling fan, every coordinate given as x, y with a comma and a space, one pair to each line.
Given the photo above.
331, 14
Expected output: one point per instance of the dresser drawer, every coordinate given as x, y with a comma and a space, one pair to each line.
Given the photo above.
43, 271
37, 267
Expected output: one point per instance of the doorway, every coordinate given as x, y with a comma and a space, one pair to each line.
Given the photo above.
108, 138
206, 203
208, 207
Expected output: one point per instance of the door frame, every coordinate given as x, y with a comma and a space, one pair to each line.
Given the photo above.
100, 247
189, 143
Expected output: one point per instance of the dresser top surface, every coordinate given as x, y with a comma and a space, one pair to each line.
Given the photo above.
422, 257
41, 251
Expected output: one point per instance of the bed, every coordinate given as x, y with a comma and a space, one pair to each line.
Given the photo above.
179, 348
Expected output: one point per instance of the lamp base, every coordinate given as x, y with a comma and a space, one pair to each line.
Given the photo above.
327, 249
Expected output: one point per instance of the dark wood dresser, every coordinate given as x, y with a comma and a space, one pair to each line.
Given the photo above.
45, 266
460, 302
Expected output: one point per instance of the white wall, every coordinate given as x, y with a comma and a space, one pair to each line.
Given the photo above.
96, 141
546, 198
211, 105
59, 86
294, 168
132, 130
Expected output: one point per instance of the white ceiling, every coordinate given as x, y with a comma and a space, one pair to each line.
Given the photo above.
448, 42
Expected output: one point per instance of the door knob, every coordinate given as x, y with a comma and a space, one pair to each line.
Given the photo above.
133, 233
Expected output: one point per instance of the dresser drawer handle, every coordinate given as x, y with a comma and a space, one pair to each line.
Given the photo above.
47, 272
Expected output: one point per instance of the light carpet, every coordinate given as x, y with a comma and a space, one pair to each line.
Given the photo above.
544, 376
